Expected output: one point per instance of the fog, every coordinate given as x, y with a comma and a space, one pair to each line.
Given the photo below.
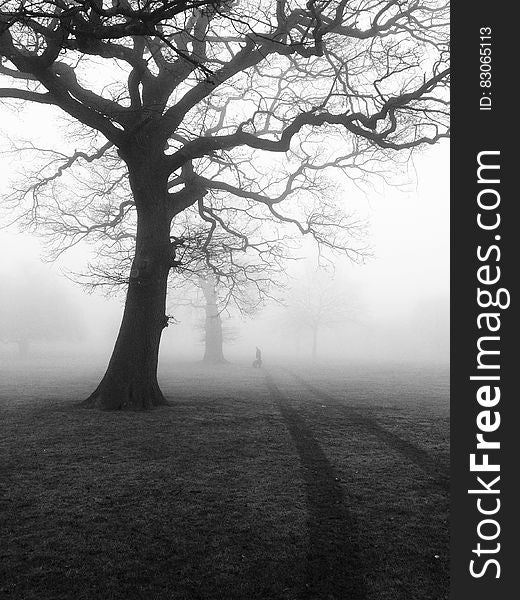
398, 300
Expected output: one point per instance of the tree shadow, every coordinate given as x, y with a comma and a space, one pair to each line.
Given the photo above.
334, 569
420, 457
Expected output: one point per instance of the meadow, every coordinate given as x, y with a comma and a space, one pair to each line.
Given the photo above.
290, 482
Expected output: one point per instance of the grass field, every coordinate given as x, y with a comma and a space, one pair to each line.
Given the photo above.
280, 483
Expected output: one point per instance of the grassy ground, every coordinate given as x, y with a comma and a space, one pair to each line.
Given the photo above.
276, 484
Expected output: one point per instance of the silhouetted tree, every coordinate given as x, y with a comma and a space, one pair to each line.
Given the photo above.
213, 337
206, 293
317, 302
215, 109
210, 275
34, 308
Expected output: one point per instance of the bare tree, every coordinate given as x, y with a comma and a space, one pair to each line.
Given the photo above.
34, 308
213, 275
216, 108
317, 302
204, 294
213, 340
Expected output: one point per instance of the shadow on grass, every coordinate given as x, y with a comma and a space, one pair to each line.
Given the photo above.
333, 568
410, 451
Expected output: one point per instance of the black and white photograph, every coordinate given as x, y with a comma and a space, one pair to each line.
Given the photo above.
225, 355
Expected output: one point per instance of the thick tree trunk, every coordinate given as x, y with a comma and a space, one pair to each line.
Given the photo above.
213, 339
130, 382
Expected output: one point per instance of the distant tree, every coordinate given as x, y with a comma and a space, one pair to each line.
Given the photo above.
213, 336
34, 308
317, 302
214, 108
206, 293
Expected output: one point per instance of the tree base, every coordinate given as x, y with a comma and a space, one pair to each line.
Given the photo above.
129, 397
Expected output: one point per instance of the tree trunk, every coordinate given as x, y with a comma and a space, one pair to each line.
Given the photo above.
213, 339
130, 382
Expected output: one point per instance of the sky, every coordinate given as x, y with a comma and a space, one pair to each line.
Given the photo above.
403, 290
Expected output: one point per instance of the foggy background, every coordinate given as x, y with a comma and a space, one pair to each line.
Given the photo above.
396, 304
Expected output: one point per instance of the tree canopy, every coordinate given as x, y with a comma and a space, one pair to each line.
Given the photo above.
214, 88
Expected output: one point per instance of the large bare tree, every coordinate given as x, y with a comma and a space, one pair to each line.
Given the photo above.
219, 107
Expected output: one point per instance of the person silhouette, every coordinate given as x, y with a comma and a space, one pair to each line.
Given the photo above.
257, 363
